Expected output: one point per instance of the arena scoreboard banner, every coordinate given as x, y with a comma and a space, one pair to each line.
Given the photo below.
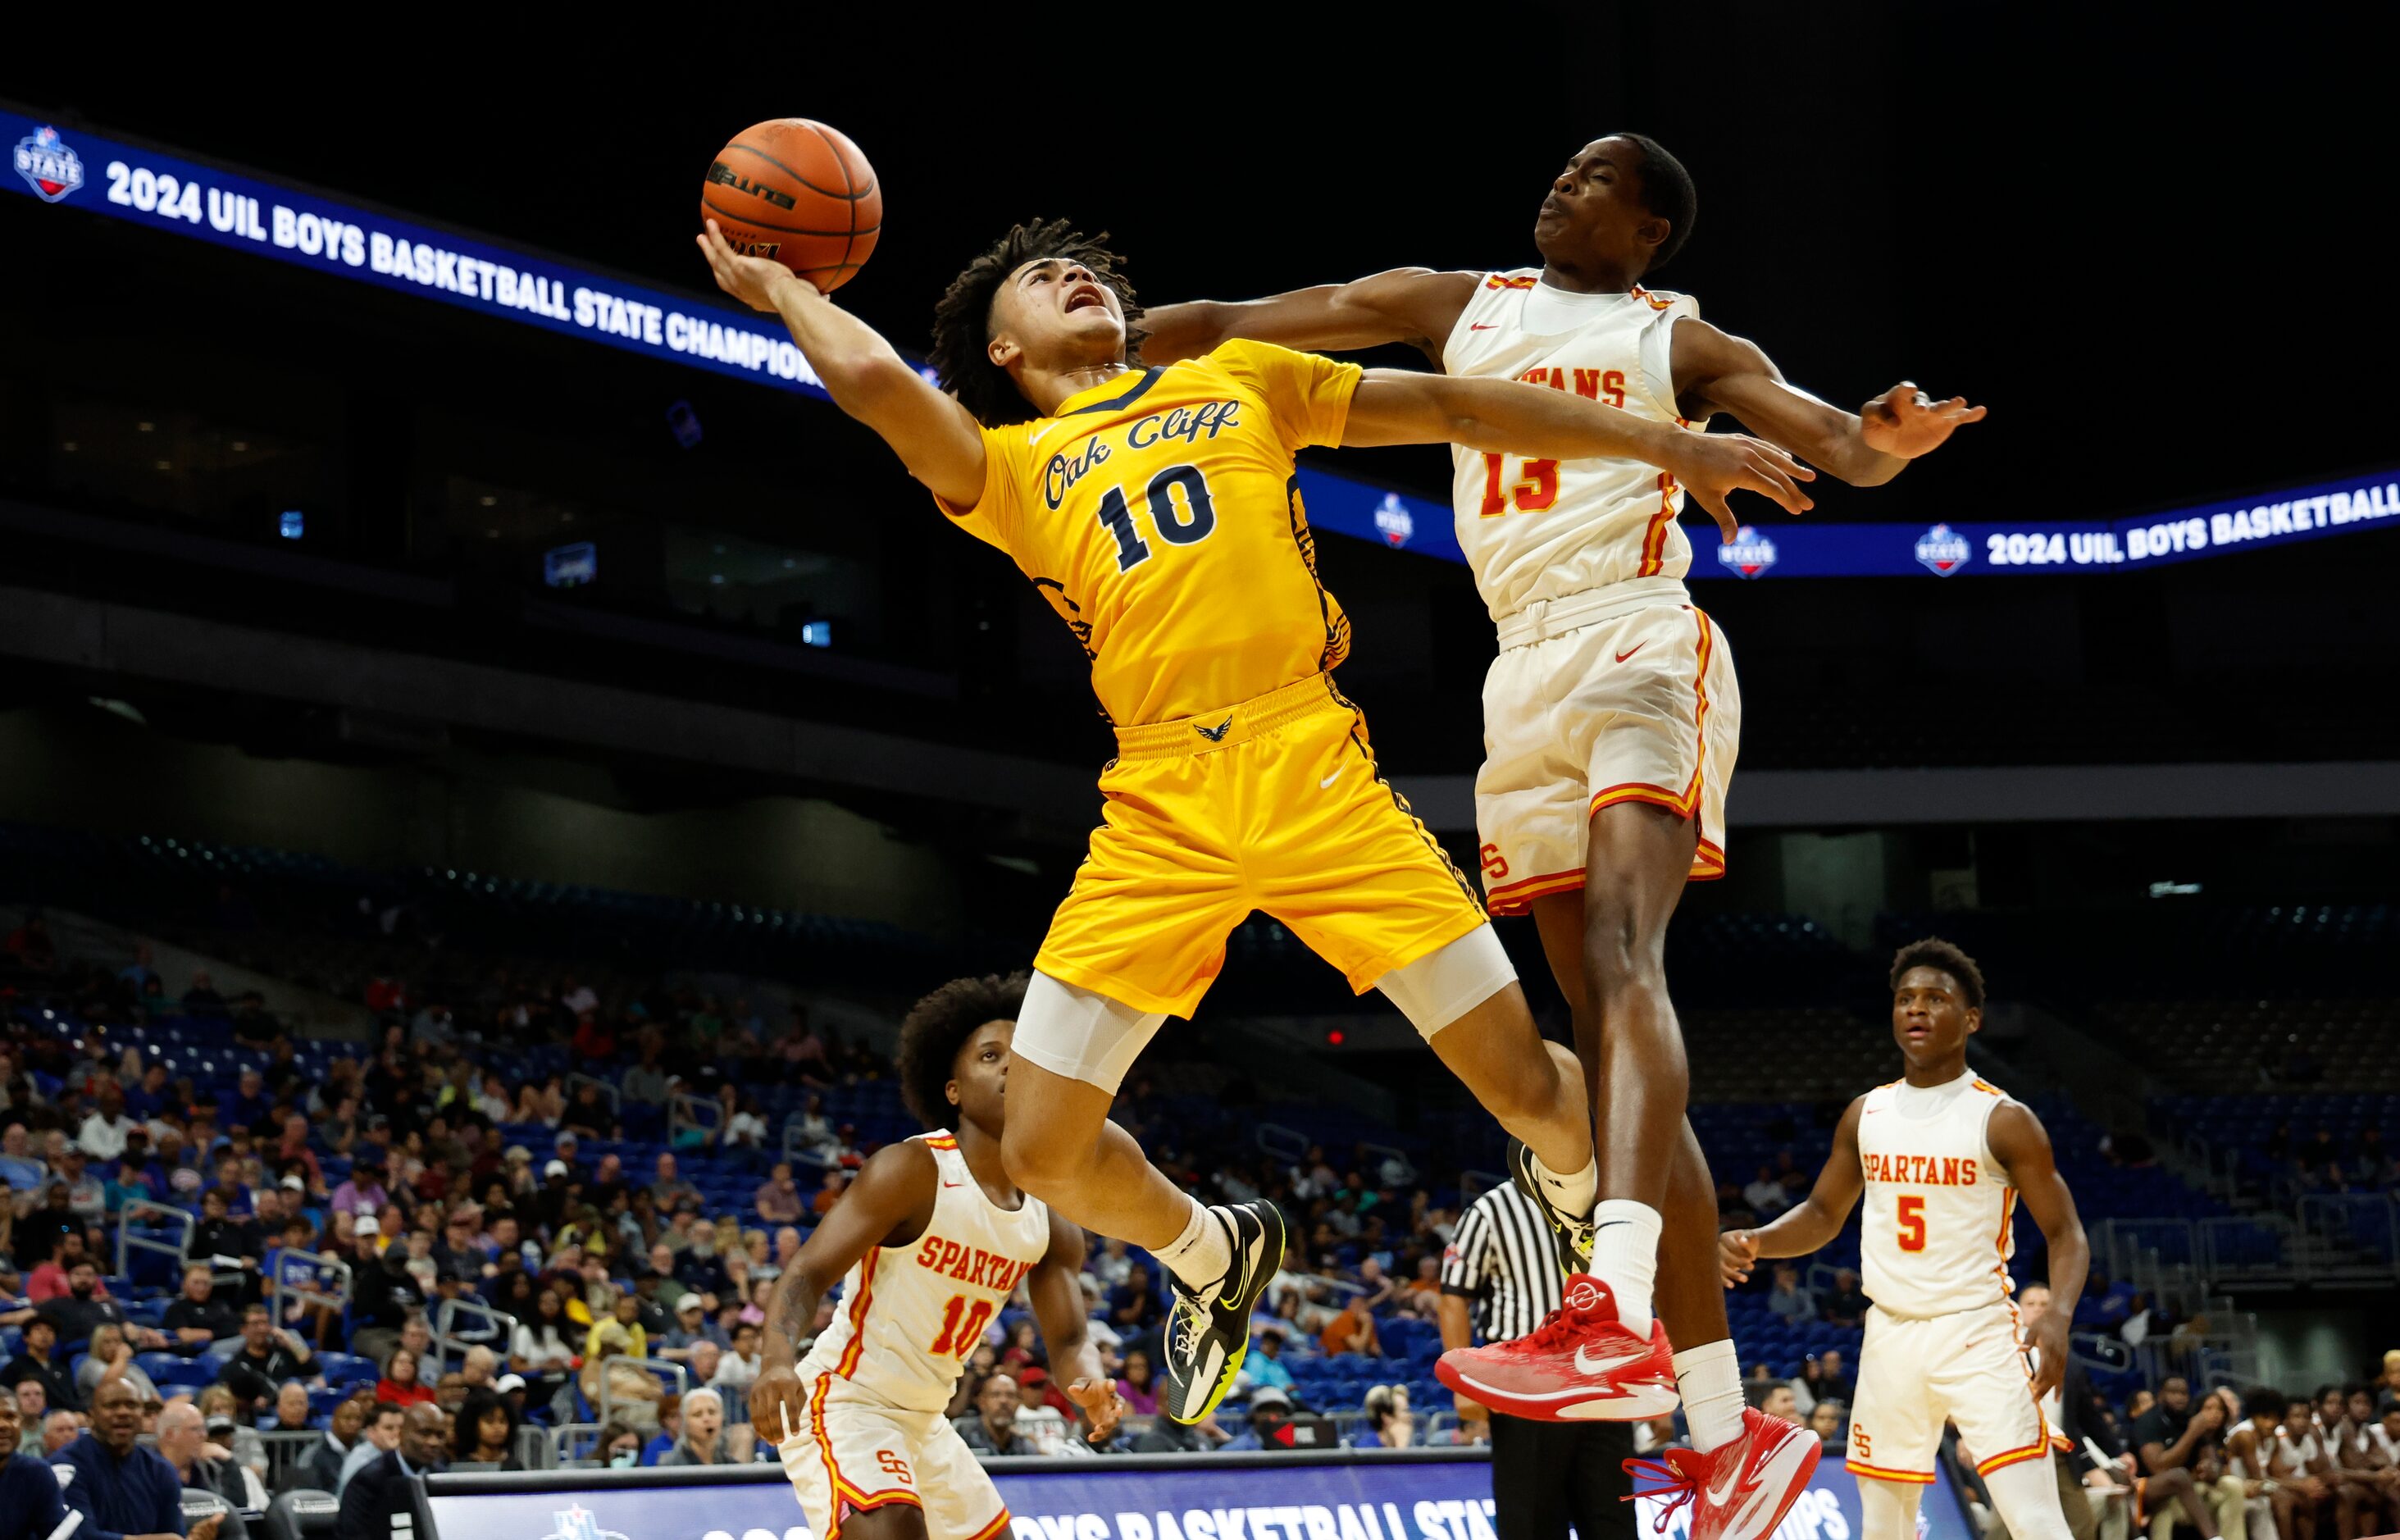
170, 193
167, 192
1433, 1494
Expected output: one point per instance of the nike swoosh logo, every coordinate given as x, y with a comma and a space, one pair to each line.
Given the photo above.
1631, 651
953, 1184
1037, 438
1482, 326
1328, 780
1729, 1477
1586, 1364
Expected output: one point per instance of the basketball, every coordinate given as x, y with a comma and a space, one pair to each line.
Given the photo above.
796, 191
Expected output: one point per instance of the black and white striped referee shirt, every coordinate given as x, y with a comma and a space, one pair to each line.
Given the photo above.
1502, 1262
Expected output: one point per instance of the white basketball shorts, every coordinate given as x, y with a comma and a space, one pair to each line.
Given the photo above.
1969, 1368
858, 1455
1591, 704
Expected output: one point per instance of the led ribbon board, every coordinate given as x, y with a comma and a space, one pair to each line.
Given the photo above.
182, 197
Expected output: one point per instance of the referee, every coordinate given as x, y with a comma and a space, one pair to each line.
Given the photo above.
1501, 1270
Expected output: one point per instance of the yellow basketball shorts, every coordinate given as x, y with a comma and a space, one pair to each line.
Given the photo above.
1274, 804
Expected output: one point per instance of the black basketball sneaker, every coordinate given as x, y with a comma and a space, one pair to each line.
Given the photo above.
1570, 1234
1207, 1335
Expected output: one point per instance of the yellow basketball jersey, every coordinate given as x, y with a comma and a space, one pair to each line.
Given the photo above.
1160, 515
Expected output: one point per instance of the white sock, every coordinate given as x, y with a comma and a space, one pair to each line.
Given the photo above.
1203, 1254
1710, 1378
1573, 1195
1624, 1257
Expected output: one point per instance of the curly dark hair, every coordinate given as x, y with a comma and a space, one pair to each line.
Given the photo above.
936, 1027
963, 319
1934, 952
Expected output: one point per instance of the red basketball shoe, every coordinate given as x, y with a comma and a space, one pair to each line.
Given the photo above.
1579, 1365
1738, 1491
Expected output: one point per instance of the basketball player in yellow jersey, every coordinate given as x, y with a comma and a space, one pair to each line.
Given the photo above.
1157, 509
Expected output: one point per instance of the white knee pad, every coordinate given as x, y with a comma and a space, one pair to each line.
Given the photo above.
1442, 985
1081, 1035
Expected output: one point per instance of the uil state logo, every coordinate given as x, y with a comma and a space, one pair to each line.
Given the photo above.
43, 160
1942, 550
1393, 521
579, 1523
1749, 554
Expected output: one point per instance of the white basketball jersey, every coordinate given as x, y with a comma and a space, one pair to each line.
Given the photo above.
1542, 529
1936, 1233
910, 1315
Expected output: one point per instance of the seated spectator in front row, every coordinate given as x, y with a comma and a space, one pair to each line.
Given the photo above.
1846, 1305
377, 1436
183, 1443
992, 1427
705, 1439
120, 1488
30, 1505
322, 1470
485, 1432
1390, 1423
383, 1487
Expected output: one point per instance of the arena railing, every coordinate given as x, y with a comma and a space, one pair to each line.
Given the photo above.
337, 1302
607, 1407
2359, 1232
576, 1080
129, 1241
684, 1111
797, 1151
1393, 1152
1473, 1185
1287, 1145
501, 1330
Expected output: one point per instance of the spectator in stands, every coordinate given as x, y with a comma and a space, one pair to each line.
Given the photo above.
1136, 1383
778, 1198
120, 1488
670, 1189
30, 1505
1270, 1413
1845, 1305
1779, 1401
87, 1194
268, 1357
183, 1443
991, 1429
1764, 1194
1827, 1378
1826, 1420
739, 1365
378, 1437
485, 1432
383, 1296
196, 1320
39, 1361
2180, 1453
49, 1281
1390, 1423
110, 1356
704, 1439
1133, 1305
403, 1385
1791, 1298
385, 1486
624, 1317
60, 1428
247, 1106
321, 1471
32, 1403
633, 1392
617, 1447
39, 1230
20, 1169
104, 1132
364, 1192
1352, 1331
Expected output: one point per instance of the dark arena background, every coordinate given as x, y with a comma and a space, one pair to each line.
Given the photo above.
458, 669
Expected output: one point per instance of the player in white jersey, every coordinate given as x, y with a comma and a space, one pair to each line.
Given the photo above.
1943, 1157
928, 1244
1611, 721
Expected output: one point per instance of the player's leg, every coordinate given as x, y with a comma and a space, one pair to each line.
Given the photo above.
1071, 1053
1691, 1296
1974, 1368
2171, 1492
850, 1469
1887, 1509
960, 1501
2025, 1496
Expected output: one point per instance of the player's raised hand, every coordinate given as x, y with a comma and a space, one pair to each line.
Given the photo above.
779, 1405
1102, 1406
1905, 422
752, 280
1737, 1254
1710, 466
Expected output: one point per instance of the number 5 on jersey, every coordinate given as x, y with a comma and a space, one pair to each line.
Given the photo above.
1910, 1210
1537, 486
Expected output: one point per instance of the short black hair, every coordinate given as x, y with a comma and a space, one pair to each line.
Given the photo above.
937, 1025
962, 317
1934, 952
2263, 1402
1667, 191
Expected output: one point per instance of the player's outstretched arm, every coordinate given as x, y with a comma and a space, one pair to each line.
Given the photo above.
889, 1205
2018, 1138
1717, 371
933, 435
1809, 1224
1058, 1298
1400, 407
1416, 306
